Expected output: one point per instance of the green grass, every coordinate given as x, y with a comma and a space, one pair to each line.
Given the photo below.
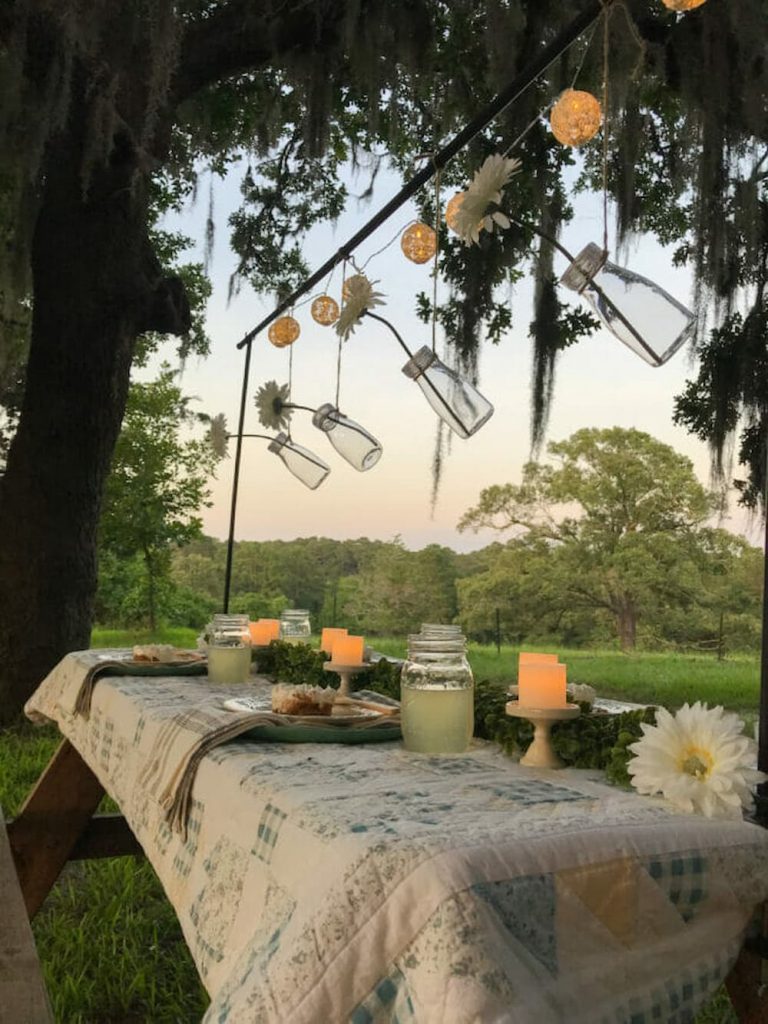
176, 635
111, 946
668, 679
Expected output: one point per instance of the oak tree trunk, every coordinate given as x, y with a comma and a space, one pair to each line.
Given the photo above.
626, 620
96, 286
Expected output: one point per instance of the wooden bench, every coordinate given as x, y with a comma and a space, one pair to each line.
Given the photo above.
23, 998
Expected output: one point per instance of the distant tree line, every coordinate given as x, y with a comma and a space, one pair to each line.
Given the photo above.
611, 545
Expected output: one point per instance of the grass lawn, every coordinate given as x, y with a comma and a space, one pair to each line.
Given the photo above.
111, 946
668, 679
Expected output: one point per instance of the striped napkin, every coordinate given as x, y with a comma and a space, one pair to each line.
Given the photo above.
185, 739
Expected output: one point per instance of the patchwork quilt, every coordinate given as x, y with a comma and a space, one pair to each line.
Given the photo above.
322, 883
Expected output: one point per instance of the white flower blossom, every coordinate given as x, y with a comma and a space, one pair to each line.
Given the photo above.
360, 296
699, 759
218, 438
473, 215
270, 402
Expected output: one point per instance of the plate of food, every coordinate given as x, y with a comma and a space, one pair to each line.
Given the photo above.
164, 654
316, 714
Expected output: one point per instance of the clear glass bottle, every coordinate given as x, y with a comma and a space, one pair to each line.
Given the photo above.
304, 464
457, 402
229, 649
635, 310
350, 440
295, 627
437, 693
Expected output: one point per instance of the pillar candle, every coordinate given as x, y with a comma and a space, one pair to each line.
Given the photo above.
347, 650
328, 638
541, 685
264, 631
526, 657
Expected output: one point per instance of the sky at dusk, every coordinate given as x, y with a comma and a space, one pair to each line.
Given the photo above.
600, 383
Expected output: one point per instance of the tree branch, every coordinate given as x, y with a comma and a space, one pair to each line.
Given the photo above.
239, 37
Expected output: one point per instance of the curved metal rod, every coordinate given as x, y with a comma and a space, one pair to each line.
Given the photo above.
375, 316
292, 405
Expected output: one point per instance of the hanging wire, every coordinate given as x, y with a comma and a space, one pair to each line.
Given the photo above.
435, 265
635, 33
550, 103
384, 248
290, 379
341, 341
606, 120
516, 142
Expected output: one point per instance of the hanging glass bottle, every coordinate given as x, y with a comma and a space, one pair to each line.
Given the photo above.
350, 440
304, 464
637, 311
457, 402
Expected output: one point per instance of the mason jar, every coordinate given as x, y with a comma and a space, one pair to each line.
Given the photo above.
229, 649
437, 692
295, 627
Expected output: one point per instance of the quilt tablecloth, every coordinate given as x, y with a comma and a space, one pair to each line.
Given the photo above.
320, 883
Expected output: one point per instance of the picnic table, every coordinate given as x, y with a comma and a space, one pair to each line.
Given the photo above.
328, 882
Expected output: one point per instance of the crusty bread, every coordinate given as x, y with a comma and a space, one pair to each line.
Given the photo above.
302, 700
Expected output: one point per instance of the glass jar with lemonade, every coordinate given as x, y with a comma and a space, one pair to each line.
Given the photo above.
437, 693
229, 649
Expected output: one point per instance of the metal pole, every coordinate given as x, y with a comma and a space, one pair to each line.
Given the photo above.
236, 479
761, 801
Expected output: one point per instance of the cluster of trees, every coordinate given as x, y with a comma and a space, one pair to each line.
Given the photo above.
611, 544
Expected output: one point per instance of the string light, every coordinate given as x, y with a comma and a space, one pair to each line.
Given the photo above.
683, 5
325, 310
576, 117
284, 331
350, 284
452, 209
419, 243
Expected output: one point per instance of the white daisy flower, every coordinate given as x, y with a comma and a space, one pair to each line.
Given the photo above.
360, 296
699, 759
474, 215
218, 438
270, 402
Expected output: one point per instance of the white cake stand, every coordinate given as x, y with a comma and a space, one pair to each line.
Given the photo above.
345, 673
541, 753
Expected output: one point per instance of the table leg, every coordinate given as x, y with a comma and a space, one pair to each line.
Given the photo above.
747, 984
54, 816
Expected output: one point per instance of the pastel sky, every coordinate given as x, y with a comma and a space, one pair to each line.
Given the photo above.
600, 383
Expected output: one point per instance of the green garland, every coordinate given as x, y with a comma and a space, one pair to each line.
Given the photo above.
593, 740
303, 664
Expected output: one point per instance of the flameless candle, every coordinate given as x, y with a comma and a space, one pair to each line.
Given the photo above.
526, 657
541, 685
347, 650
328, 638
264, 631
